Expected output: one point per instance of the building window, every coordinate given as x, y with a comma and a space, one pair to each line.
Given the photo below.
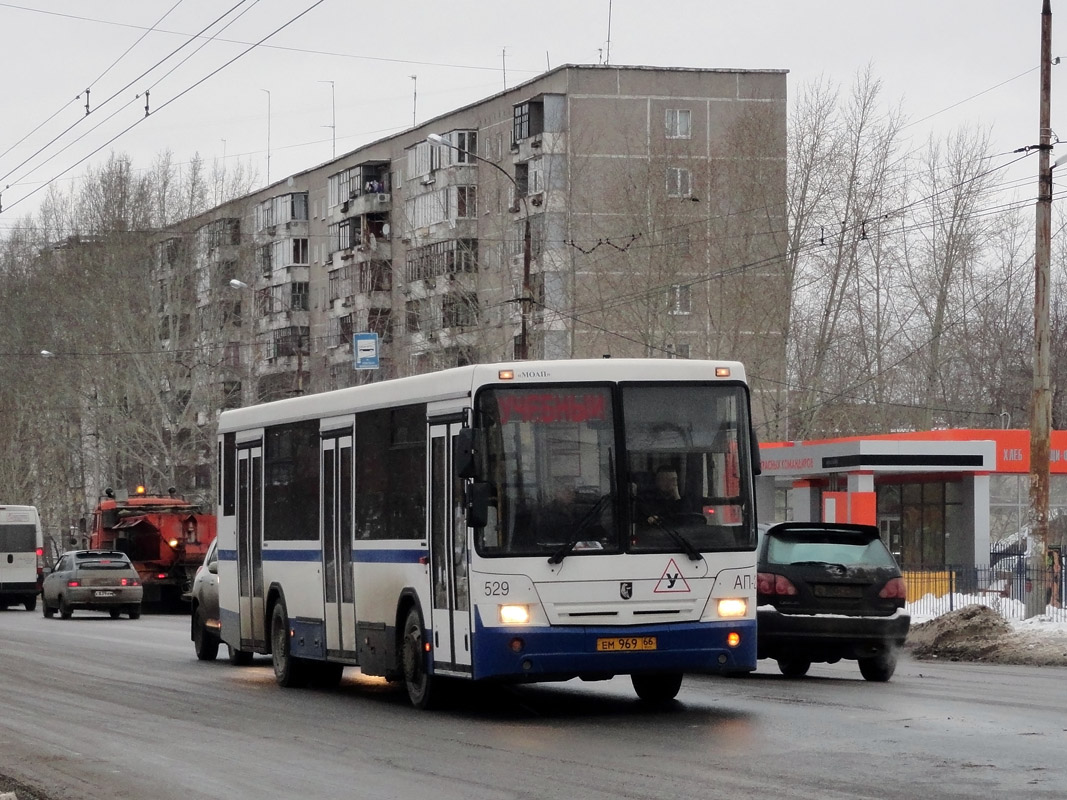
291, 341
428, 208
465, 147
678, 123
265, 257
375, 276
681, 350
459, 310
348, 329
441, 258
340, 188
528, 120
298, 296
679, 183
300, 251
341, 282
680, 299
344, 235
423, 159
466, 202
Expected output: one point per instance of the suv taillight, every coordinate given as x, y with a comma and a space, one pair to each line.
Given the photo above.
894, 590
769, 583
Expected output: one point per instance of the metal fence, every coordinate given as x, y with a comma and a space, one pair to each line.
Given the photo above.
1003, 587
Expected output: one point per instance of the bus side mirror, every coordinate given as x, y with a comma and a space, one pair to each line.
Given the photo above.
468, 443
477, 504
757, 466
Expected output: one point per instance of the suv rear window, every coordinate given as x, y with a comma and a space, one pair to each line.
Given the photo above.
827, 548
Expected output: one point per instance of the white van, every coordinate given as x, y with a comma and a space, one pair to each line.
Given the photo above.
21, 556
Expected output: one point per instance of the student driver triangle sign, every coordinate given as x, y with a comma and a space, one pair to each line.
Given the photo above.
671, 580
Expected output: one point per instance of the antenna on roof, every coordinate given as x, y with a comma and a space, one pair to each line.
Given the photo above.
607, 54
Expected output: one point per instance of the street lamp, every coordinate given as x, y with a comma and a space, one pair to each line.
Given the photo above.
522, 352
299, 389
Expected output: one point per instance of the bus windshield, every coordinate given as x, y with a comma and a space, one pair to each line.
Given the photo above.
554, 468
687, 450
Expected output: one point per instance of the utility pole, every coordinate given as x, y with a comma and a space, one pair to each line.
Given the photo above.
1041, 407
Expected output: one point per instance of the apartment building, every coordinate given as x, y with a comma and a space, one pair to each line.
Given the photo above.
592, 211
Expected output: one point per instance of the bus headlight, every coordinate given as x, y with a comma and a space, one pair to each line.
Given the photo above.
733, 607
514, 615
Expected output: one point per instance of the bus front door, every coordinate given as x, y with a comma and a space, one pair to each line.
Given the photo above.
450, 617
339, 612
249, 510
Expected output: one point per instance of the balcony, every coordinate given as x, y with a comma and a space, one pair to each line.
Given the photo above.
361, 203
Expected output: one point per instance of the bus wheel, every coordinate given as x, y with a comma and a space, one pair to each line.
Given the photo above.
794, 667
205, 642
418, 681
289, 671
657, 688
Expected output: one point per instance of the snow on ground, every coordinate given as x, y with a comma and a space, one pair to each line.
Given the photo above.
986, 627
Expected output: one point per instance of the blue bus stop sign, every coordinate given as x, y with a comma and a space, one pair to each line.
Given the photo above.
365, 350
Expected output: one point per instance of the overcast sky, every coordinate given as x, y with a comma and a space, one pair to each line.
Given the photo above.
947, 62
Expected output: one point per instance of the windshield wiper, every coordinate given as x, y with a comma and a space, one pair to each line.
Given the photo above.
817, 564
685, 544
681, 541
576, 535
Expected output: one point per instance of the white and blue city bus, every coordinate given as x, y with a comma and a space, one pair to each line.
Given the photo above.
495, 522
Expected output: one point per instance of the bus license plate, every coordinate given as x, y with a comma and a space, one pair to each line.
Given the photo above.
624, 644
103, 593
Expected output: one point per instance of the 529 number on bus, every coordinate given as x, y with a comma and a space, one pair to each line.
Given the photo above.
496, 588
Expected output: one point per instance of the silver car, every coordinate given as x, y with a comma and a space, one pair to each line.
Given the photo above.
97, 580
205, 606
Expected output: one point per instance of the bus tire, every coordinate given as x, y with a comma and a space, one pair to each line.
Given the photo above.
794, 667
657, 687
420, 684
290, 672
205, 642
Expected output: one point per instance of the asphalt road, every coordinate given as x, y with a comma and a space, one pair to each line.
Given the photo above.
99, 708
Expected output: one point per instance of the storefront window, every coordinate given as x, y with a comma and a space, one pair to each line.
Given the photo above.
918, 519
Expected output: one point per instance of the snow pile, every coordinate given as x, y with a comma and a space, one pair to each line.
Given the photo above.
977, 632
